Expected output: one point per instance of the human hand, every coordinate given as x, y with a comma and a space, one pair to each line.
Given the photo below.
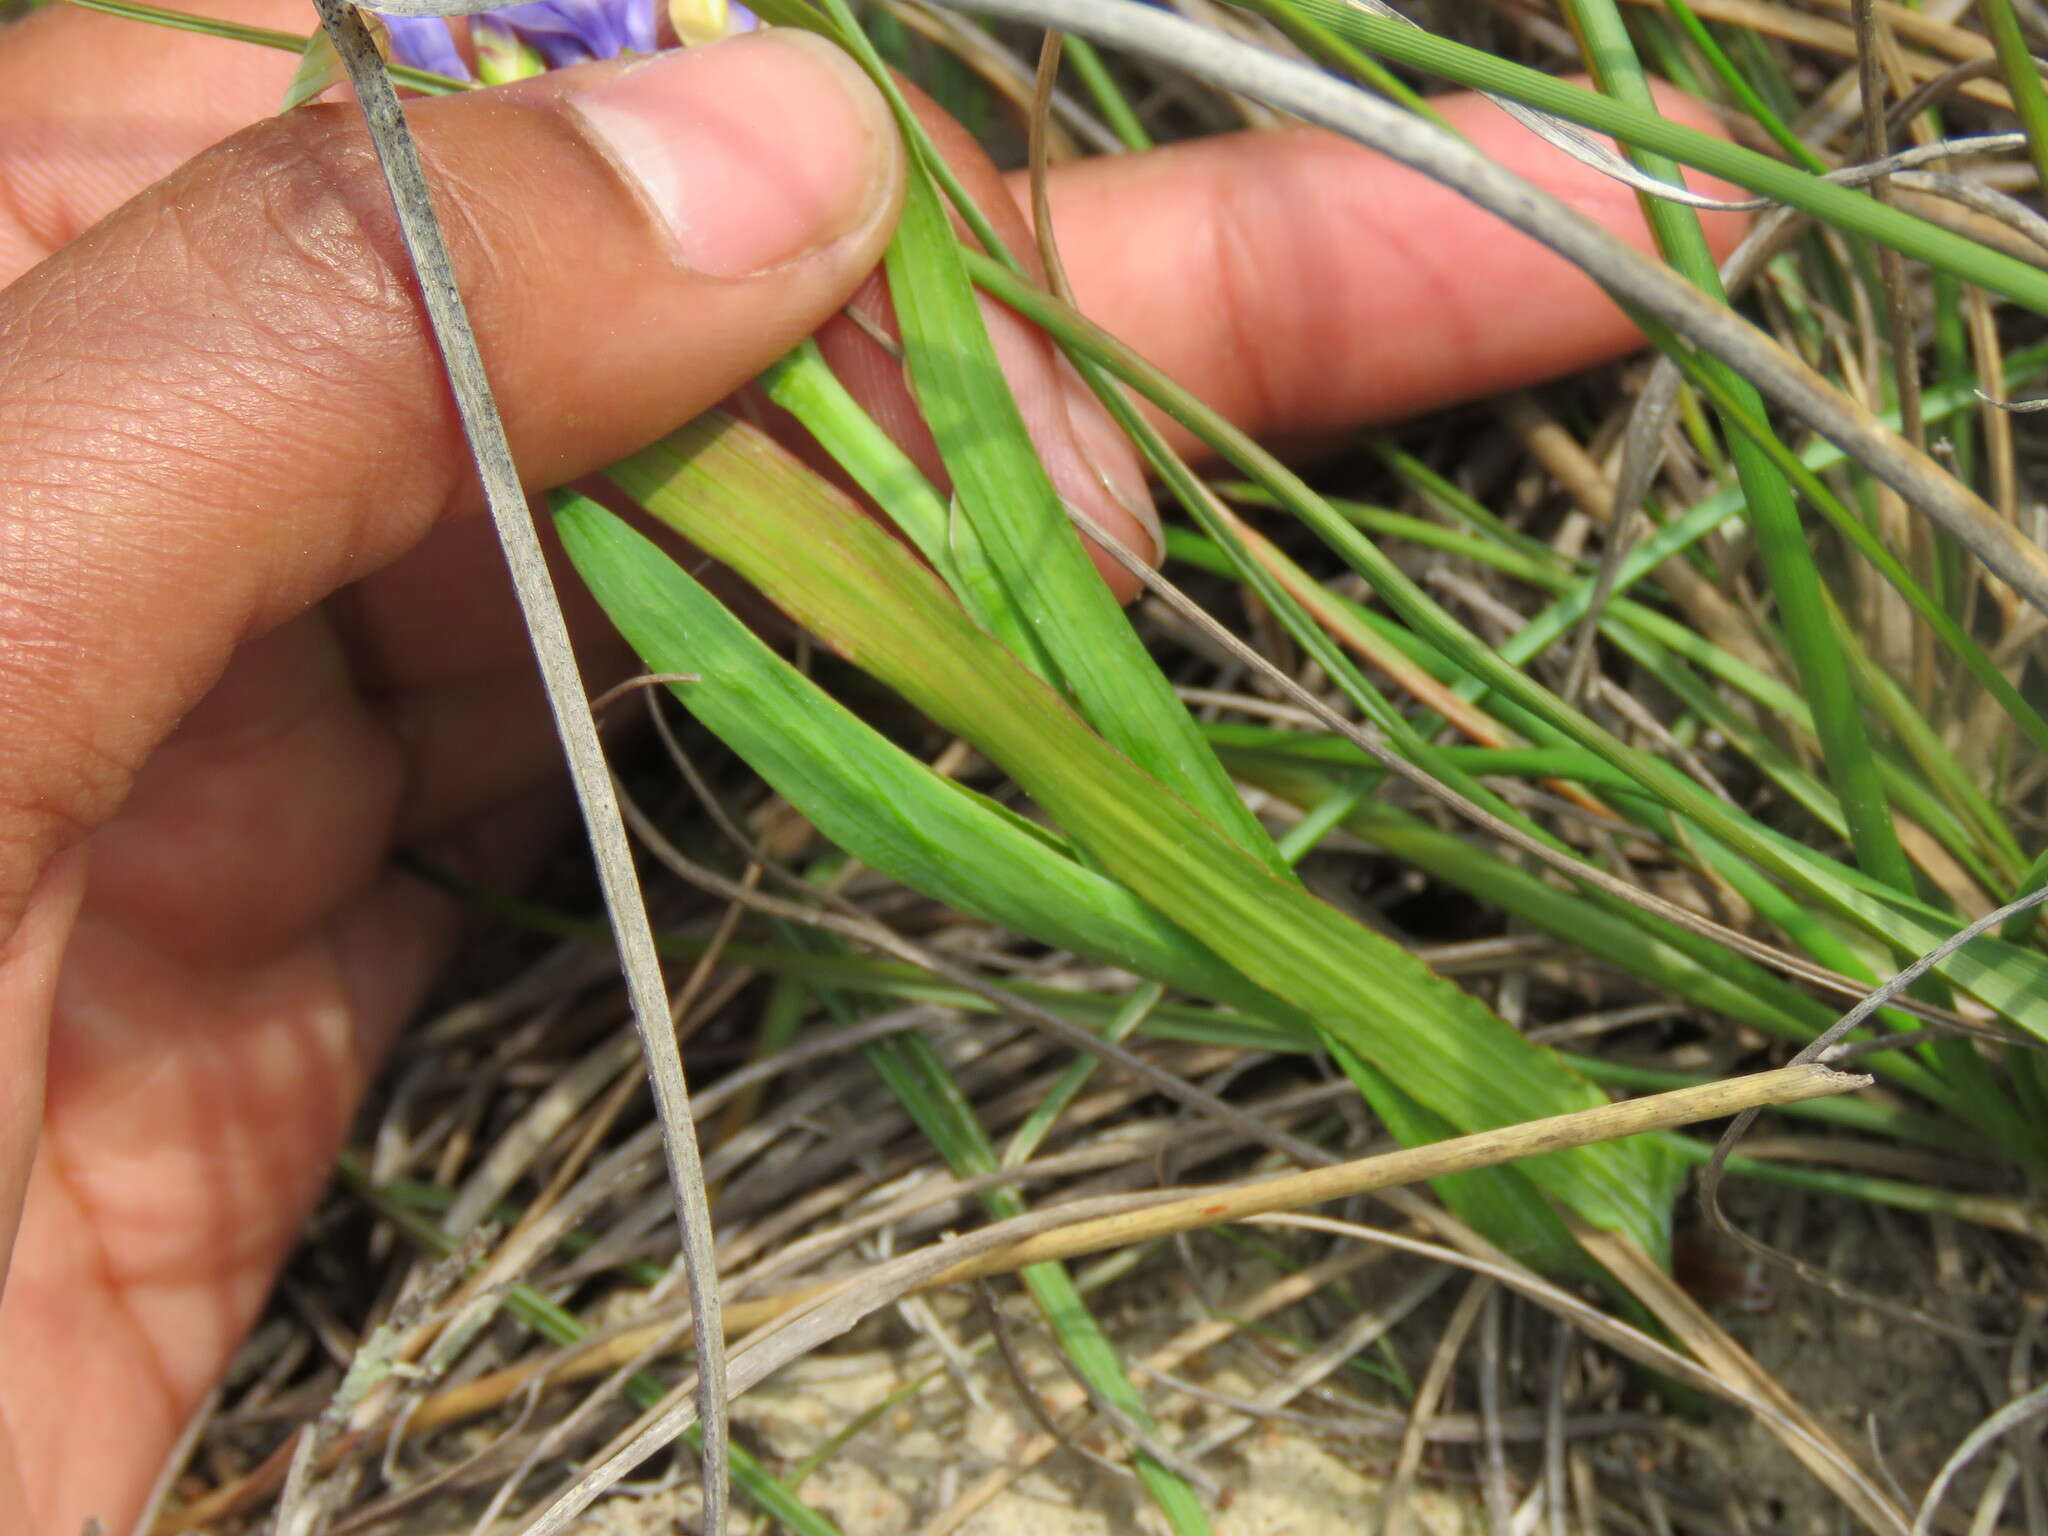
253, 634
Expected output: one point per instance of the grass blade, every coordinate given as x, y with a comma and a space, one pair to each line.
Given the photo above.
1005, 493
850, 583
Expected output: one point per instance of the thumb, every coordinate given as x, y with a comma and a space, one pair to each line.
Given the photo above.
220, 404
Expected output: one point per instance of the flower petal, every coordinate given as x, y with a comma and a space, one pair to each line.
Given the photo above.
425, 42
576, 31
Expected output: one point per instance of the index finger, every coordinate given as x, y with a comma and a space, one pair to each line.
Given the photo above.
1297, 282
1301, 284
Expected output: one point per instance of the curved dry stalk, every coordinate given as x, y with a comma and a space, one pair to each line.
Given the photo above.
448, 320
1038, 159
1027, 1390
1648, 286
1933, 92
809, 1319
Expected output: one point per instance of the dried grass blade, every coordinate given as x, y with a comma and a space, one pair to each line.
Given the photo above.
549, 632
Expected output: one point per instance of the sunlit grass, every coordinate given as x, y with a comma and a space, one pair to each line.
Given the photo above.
1805, 743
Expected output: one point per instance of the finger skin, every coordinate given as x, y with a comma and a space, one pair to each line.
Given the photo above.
255, 312
1091, 464
1297, 282
66, 164
216, 408
1301, 284
97, 108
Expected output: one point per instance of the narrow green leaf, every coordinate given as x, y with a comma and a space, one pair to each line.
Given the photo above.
857, 588
2022, 75
867, 795
1005, 494
1115, 107
319, 67
1773, 516
425, 81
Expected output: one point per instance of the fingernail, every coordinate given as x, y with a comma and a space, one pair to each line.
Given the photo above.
753, 152
1114, 463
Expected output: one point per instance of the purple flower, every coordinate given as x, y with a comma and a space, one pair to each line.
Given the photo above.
569, 32
425, 43
550, 33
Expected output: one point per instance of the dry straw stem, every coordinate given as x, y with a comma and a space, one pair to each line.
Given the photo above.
1207, 1208
462, 362
1412, 1165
